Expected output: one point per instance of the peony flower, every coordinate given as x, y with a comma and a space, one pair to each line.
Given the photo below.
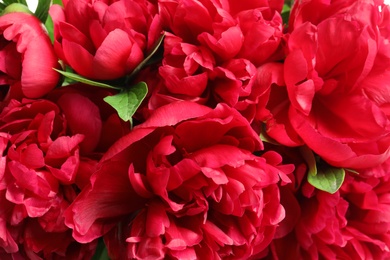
184, 69
330, 81
104, 39
48, 153
38, 180
86, 113
262, 31
183, 184
227, 29
368, 216
201, 55
27, 57
352, 223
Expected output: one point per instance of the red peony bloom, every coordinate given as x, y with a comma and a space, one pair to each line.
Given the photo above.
104, 39
40, 167
27, 58
210, 60
352, 223
227, 29
86, 113
368, 216
336, 80
184, 67
183, 184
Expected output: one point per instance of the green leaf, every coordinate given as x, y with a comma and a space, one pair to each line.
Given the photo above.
101, 251
285, 17
8, 2
81, 79
58, 2
23, 2
327, 179
42, 10
2, 7
50, 28
147, 59
127, 102
286, 8
310, 159
266, 138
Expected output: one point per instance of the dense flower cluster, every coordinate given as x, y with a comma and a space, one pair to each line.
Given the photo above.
256, 137
352, 223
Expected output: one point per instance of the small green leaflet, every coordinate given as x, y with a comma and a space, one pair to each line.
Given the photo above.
50, 28
286, 11
81, 79
101, 251
266, 138
321, 175
8, 2
128, 100
42, 10
57, 2
329, 179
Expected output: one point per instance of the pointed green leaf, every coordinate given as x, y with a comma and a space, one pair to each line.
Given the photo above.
147, 59
58, 2
2, 7
267, 139
50, 28
310, 159
127, 102
42, 10
101, 251
328, 179
81, 79
8, 2
24, 2
286, 8
285, 17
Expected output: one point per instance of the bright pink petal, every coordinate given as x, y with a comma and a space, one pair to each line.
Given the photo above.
63, 147
111, 57
217, 234
156, 220
83, 117
78, 58
228, 45
67, 173
175, 113
110, 195
32, 157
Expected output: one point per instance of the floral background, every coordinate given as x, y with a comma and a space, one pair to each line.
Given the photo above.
195, 129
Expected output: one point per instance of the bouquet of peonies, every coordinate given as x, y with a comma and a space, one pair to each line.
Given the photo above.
195, 129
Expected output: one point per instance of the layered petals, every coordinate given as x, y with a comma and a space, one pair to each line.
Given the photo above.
27, 57
105, 41
192, 193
